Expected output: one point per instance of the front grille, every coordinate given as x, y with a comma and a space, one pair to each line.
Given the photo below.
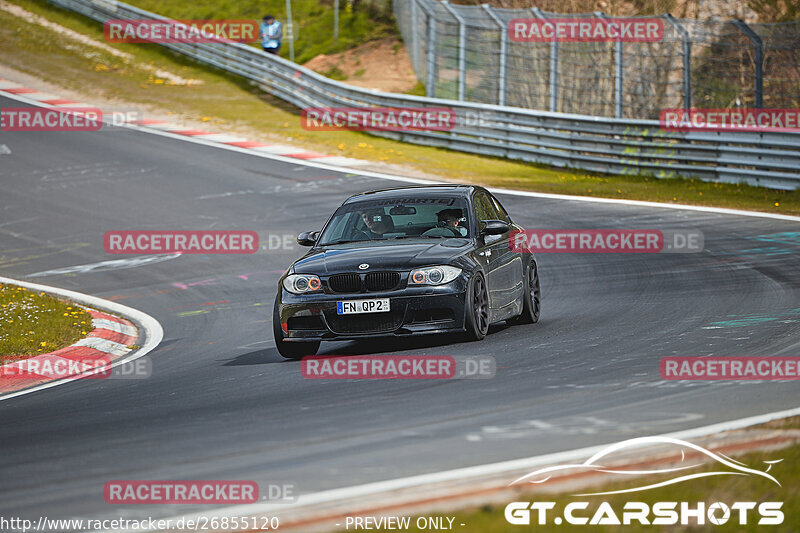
381, 281
369, 323
372, 282
345, 283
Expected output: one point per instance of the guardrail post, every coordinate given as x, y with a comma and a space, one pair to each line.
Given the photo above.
462, 50
758, 62
501, 84
619, 69
687, 59
553, 65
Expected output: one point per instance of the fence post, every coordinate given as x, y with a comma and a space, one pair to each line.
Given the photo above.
553, 65
687, 59
758, 61
414, 38
335, 20
430, 53
290, 28
619, 69
501, 85
462, 50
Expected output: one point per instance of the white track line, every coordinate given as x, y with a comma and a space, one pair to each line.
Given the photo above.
264, 152
463, 474
151, 328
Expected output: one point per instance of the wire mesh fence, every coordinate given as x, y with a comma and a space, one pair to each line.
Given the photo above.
468, 53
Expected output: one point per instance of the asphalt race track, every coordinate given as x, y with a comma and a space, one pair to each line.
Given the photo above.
222, 404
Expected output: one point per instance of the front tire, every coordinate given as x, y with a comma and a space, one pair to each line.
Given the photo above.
289, 350
531, 300
477, 308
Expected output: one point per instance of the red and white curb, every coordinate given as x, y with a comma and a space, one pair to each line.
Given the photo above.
108, 341
108, 345
13, 88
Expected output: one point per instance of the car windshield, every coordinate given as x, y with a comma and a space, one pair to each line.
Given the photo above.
401, 218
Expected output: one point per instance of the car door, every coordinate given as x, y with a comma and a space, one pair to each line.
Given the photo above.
492, 253
513, 278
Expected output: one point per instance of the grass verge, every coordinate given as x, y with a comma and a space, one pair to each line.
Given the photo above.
232, 105
34, 322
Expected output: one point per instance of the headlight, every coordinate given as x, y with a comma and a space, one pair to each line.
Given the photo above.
435, 275
302, 283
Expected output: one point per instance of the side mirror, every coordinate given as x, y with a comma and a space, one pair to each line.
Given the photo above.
494, 227
307, 238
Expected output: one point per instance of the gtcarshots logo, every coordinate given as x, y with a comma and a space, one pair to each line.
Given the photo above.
378, 119
180, 31
185, 242
692, 463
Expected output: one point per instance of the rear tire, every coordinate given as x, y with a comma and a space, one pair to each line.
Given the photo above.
477, 308
290, 350
531, 300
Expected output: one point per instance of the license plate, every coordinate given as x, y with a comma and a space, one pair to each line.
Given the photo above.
350, 307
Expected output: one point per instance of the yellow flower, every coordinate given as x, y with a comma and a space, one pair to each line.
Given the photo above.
43, 344
777, 204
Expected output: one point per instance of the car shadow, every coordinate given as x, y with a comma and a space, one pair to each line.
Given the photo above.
268, 356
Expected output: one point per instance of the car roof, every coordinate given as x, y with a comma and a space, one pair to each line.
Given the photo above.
419, 191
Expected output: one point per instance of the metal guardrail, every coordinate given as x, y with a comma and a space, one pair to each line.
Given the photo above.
595, 144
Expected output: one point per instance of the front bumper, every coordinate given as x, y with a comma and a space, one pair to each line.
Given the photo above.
414, 311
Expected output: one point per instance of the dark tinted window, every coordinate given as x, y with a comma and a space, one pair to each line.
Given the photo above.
484, 209
501, 212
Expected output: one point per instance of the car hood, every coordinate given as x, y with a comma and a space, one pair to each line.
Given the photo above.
380, 256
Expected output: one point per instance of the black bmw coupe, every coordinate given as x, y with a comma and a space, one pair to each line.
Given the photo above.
406, 261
